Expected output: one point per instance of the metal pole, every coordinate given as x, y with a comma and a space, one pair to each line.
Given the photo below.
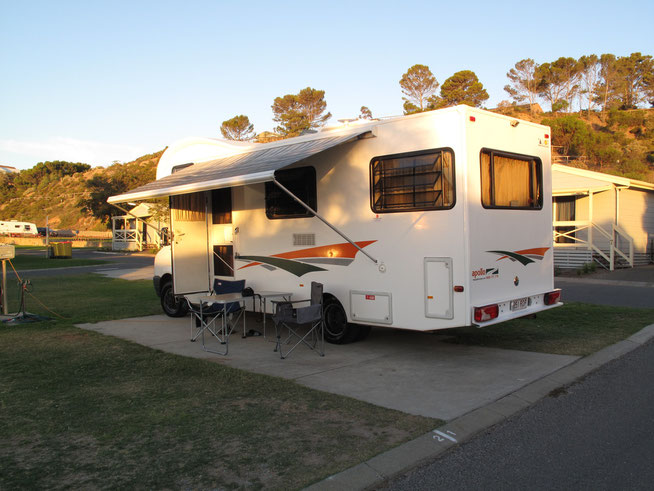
5, 307
323, 220
47, 236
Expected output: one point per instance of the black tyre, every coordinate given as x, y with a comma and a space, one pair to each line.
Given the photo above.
171, 305
337, 329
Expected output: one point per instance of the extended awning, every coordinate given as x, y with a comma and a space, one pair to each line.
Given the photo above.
251, 167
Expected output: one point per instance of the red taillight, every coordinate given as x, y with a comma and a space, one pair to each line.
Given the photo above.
552, 297
483, 314
473, 119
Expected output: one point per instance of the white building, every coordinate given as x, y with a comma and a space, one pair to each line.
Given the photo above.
600, 217
8, 170
136, 231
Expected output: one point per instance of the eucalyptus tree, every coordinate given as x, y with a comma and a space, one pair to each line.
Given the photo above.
237, 128
523, 86
418, 85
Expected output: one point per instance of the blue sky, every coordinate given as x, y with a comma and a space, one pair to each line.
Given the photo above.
98, 81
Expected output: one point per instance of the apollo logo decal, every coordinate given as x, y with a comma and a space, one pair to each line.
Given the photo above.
524, 257
485, 273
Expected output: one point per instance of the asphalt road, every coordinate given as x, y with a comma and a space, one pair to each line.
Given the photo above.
597, 434
599, 292
626, 287
119, 260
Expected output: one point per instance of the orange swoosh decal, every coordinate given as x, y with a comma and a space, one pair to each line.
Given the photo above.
344, 250
539, 251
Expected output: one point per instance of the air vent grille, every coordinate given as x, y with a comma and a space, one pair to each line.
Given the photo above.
304, 239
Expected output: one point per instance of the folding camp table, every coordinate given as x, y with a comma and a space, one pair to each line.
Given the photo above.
263, 295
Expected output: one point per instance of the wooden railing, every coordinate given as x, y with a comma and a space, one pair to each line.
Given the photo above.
129, 235
615, 236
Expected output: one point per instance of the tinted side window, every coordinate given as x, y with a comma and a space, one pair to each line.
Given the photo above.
221, 206
302, 183
413, 181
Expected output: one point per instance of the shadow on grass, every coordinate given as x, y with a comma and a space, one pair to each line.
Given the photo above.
79, 409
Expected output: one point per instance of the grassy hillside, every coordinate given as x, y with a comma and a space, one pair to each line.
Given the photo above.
28, 198
617, 142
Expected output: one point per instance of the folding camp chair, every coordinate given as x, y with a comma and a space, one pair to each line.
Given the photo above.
222, 304
293, 319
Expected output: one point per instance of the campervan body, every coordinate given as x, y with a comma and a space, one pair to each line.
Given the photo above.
423, 222
13, 227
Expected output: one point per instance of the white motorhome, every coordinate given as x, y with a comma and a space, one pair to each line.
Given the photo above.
422, 222
14, 227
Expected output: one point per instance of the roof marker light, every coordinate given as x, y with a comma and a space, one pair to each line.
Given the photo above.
473, 119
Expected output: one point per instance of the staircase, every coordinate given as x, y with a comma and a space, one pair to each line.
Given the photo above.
618, 261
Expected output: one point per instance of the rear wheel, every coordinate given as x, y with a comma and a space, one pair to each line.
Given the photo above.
171, 305
337, 329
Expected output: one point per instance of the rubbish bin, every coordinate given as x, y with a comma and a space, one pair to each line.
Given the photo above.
62, 250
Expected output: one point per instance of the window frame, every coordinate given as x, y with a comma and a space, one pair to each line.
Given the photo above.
312, 202
415, 153
515, 156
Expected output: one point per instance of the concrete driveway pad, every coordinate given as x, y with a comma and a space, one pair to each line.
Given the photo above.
417, 373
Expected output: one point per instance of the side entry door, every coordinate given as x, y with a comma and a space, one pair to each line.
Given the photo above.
190, 243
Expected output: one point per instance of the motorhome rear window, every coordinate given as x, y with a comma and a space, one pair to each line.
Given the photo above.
511, 181
300, 181
413, 181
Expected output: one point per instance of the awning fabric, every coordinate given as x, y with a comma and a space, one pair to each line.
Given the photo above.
251, 167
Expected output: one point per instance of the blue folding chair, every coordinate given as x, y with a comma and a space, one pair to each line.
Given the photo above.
205, 313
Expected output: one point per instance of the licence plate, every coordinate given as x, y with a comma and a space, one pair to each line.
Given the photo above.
520, 303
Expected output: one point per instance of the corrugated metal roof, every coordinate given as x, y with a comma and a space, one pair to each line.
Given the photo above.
258, 165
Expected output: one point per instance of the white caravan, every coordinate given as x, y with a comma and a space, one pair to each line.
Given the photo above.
13, 227
422, 222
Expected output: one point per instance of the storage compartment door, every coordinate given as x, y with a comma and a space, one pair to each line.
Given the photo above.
371, 307
438, 288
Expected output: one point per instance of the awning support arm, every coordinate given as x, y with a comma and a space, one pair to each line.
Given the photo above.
315, 213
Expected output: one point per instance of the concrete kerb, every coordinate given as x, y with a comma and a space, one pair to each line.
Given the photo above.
412, 454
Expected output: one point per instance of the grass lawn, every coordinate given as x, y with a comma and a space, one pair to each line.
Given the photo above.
25, 262
574, 329
82, 410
